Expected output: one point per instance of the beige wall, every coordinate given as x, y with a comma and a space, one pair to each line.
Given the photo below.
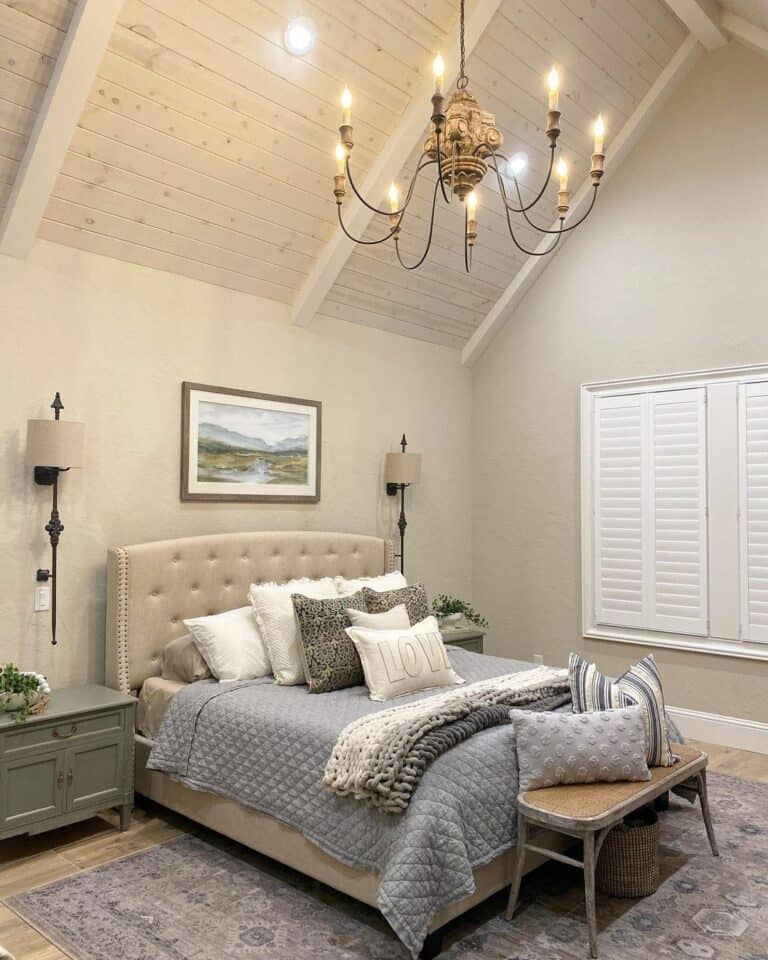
669, 275
117, 340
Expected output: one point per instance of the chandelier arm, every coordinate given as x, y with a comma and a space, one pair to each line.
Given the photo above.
571, 226
386, 213
367, 243
503, 190
423, 257
535, 253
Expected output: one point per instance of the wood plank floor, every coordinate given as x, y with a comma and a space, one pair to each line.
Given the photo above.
27, 862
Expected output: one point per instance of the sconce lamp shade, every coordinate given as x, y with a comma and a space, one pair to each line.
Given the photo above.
402, 468
55, 443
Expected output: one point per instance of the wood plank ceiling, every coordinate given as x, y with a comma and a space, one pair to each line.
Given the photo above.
205, 149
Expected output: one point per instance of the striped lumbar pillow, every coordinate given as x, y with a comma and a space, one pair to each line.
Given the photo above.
641, 685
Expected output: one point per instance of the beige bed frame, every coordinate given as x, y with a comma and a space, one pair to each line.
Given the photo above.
153, 587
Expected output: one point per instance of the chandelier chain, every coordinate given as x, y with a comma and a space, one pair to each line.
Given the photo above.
463, 79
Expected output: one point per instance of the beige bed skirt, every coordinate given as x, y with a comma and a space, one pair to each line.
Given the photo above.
273, 838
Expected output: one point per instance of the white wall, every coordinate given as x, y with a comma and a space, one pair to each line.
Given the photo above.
117, 340
669, 275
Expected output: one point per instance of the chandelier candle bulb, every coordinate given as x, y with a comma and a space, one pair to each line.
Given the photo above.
599, 134
438, 69
341, 157
394, 198
562, 172
554, 88
471, 203
346, 107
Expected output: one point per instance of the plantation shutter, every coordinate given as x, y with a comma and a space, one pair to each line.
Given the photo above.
678, 511
650, 511
620, 433
753, 509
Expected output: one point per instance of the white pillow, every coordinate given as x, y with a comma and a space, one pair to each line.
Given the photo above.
397, 662
273, 607
394, 619
387, 581
232, 644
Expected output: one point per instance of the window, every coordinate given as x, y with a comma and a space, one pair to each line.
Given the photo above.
675, 511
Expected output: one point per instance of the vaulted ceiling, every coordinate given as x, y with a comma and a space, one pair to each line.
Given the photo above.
205, 149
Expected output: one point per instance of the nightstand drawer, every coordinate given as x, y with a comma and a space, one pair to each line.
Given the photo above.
475, 645
471, 640
27, 738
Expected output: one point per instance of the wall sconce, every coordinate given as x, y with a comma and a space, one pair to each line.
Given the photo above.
53, 447
400, 471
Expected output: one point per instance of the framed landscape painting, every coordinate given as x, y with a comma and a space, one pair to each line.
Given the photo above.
237, 445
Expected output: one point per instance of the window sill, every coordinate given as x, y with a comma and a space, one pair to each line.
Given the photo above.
743, 649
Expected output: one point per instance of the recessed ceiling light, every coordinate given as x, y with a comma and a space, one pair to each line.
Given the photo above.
516, 164
299, 37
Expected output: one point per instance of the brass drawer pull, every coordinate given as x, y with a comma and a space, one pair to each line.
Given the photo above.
65, 736
60, 780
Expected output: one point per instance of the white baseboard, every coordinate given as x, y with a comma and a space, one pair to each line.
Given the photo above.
724, 731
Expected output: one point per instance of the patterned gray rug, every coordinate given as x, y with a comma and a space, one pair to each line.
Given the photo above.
202, 898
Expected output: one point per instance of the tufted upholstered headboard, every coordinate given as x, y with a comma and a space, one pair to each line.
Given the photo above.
153, 587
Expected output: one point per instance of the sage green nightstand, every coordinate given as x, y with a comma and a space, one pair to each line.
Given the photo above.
471, 639
67, 763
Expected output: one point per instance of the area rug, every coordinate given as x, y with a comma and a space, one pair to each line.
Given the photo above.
203, 898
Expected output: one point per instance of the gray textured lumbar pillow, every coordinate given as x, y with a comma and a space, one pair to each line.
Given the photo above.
555, 748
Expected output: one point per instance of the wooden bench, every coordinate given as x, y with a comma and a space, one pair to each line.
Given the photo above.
589, 811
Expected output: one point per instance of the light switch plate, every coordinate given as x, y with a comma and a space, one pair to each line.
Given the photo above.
42, 599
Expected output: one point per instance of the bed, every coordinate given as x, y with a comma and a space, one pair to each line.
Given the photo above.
153, 587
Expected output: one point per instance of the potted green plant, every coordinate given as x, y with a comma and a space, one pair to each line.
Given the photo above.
20, 691
450, 610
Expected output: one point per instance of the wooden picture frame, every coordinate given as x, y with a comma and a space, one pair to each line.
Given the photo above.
257, 442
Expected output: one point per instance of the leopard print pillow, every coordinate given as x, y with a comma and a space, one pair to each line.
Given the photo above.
329, 657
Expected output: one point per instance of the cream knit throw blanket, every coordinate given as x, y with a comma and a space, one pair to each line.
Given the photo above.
376, 757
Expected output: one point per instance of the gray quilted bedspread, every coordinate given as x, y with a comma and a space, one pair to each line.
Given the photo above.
267, 745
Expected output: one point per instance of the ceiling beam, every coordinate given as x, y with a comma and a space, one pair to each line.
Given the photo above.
73, 75
745, 32
618, 148
387, 166
703, 19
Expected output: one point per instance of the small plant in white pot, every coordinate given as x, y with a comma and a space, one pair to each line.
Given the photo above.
451, 611
21, 691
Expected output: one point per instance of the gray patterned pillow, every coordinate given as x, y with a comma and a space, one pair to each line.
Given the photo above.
414, 598
555, 748
329, 657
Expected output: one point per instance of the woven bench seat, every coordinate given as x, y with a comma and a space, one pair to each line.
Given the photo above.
589, 811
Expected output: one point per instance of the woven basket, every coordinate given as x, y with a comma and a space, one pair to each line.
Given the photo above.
628, 865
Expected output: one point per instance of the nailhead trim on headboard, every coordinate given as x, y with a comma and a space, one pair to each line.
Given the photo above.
122, 622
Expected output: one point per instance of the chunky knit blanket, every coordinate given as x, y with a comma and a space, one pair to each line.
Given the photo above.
380, 757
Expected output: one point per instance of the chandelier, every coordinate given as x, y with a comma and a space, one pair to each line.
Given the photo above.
463, 143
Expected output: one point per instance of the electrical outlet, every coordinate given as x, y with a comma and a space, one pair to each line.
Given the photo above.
42, 599
538, 658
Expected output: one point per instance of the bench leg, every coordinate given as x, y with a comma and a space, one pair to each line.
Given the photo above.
701, 781
590, 859
517, 878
